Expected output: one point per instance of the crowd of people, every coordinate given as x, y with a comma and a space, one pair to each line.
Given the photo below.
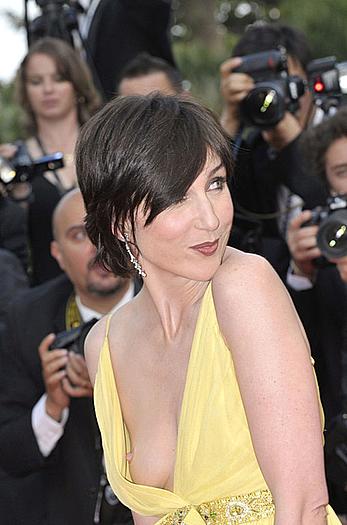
149, 219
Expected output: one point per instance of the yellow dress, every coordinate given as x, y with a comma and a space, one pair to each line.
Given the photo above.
217, 479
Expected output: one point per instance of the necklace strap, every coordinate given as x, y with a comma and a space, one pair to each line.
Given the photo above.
73, 317
55, 173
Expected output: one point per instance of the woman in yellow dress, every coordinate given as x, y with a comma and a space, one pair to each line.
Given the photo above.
204, 388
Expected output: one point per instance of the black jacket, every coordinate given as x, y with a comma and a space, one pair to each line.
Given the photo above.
322, 310
259, 174
62, 488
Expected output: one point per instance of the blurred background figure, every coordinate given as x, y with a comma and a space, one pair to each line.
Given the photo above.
56, 91
118, 30
50, 446
145, 74
268, 163
316, 284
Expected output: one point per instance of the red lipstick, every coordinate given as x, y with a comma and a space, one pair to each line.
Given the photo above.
206, 248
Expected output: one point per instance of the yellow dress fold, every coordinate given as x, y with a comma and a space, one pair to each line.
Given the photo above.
217, 478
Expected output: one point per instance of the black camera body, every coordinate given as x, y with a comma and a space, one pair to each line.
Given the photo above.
332, 231
73, 340
275, 91
18, 170
328, 81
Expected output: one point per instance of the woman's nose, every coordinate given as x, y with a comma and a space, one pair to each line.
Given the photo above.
48, 85
207, 215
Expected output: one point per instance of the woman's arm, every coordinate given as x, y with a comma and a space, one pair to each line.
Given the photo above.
277, 384
92, 347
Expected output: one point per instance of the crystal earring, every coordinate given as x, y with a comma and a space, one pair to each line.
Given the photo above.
132, 257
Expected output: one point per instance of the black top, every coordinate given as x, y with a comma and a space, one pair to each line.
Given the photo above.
61, 488
45, 197
13, 230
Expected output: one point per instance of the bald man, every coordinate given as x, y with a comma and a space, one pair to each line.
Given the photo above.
49, 440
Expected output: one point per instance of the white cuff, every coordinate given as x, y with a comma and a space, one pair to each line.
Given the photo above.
47, 430
298, 283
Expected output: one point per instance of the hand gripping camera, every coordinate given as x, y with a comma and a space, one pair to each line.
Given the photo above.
275, 91
73, 340
327, 82
332, 231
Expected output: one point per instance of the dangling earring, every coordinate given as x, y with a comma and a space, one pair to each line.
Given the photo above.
132, 257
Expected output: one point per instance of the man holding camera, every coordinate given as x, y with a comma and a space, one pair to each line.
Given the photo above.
317, 286
268, 164
49, 440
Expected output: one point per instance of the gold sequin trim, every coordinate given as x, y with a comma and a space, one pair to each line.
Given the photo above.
228, 511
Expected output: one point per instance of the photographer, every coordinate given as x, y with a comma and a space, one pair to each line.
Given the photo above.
49, 441
318, 289
268, 164
55, 89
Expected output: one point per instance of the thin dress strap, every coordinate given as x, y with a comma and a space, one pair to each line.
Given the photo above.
108, 324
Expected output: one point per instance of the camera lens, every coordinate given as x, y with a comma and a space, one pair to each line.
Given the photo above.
332, 235
264, 106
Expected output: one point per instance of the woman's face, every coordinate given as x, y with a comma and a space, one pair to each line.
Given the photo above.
336, 166
188, 239
50, 95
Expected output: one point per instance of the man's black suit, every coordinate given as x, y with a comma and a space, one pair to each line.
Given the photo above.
322, 310
127, 27
62, 488
259, 174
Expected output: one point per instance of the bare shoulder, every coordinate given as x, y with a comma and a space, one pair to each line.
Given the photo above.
244, 275
251, 299
93, 345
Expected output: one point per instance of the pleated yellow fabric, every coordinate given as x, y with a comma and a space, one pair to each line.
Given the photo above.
215, 457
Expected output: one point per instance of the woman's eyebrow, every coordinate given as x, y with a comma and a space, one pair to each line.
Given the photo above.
215, 169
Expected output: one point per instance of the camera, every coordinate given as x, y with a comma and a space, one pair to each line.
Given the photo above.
15, 171
327, 81
275, 91
73, 340
59, 19
332, 231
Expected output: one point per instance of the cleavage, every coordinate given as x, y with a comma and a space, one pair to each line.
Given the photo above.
153, 456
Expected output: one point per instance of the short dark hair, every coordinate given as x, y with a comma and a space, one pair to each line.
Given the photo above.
316, 141
145, 64
266, 36
71, 67
141, 150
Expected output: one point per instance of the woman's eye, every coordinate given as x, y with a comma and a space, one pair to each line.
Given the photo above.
59, 78
218, 183
34, 81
